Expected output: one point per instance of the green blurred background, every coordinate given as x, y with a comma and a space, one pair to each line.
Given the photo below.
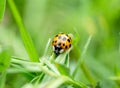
45, 18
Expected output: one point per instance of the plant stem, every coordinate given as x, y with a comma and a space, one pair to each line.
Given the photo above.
75, 83
51, 73
35, 64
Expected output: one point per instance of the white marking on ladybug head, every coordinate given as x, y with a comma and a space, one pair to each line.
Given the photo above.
57, 46
61, 51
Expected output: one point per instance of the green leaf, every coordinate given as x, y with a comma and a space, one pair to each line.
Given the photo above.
24, 34
2, 8
56, 83
5, 56
63, 69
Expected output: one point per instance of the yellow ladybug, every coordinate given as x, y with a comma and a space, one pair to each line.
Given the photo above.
61, 42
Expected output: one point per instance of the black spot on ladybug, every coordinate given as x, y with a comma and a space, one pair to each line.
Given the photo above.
56, 36
59, 44
64, 39
66, 47
68, 40
63, 44
55, 41
70, 45
67, 35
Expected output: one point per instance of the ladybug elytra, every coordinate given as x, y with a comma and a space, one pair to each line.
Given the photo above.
61, 42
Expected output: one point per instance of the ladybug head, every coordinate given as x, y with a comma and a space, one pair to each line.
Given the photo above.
57, 49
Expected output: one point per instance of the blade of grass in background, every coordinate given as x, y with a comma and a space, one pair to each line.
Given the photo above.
2, 79
83, 65
2, 9
24, 34
119, 43
47, 46
5, 56
82, 55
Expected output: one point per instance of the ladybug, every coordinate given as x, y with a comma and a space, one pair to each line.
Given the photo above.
61, 42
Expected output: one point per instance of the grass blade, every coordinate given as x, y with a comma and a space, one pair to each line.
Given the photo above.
83, 65
5, 57
24, 34
2, 79
82, 55
2, 8
47, 46
86, 47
